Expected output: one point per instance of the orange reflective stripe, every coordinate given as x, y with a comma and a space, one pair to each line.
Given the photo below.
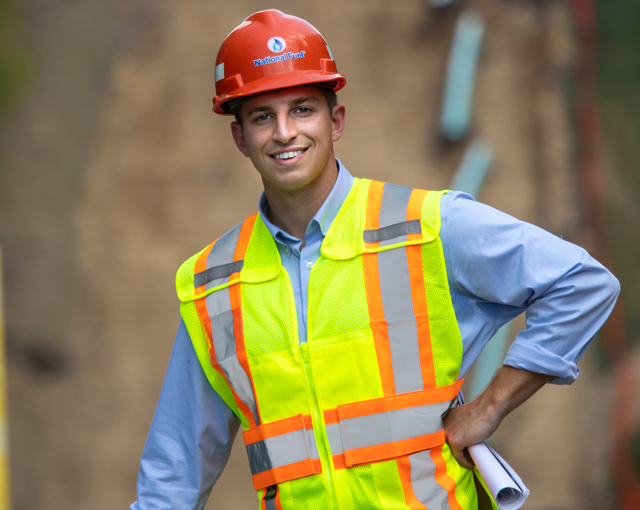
235, 295
278, 502
286, 473
243, 240
443, 479
275, 428
414, 210
388, 451
374, 299
419, 297
331, 416
201, 307
338, 461
416, 276
203, 314
308, 423
404, 470
396, 402
378, 324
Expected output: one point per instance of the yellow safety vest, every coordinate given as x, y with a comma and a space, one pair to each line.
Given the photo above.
351, 419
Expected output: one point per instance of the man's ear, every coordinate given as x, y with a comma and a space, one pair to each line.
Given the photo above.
238, 137
338, 118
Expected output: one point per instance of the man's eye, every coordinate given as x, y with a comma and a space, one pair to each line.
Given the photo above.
262, 117
303, 109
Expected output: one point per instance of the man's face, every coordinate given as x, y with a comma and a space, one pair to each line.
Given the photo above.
288, 134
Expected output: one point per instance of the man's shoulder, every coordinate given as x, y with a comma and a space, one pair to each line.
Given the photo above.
211, 260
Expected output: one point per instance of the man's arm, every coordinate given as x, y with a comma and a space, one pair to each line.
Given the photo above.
499, 267
476, 421
190, 438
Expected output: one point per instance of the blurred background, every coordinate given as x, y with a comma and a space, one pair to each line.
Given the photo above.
114, 170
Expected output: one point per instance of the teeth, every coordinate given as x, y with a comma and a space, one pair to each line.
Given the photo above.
288, 155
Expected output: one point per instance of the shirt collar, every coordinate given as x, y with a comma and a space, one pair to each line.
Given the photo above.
325, 215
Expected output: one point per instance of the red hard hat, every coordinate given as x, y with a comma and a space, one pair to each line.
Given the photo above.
271, 50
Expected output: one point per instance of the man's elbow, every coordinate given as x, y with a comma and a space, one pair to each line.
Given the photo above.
611, 287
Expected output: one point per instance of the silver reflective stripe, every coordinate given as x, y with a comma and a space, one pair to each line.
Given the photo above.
217, 273
259, 460
392, 232
277, 451
335, 441
222, 254
393, 210
391, 426
219, 74
224, 344
311, 444
397, 305
423, 482
270, 504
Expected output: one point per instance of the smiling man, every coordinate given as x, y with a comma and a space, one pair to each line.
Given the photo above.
335, 324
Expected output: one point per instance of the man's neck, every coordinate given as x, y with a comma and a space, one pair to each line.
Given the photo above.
292, 210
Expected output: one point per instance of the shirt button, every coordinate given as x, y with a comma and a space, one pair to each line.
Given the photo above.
309, 265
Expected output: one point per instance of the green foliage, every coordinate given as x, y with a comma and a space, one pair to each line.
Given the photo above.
14, 61
619, 96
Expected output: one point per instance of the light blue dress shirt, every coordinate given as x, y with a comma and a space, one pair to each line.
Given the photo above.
497, 266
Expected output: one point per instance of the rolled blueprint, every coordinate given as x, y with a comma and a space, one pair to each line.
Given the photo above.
502, 482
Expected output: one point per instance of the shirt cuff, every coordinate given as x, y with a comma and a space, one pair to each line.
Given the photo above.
533, 357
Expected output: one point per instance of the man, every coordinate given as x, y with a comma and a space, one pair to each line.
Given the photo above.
336, 323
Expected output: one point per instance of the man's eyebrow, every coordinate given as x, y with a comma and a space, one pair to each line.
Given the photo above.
257, 109
301, 100
295, 102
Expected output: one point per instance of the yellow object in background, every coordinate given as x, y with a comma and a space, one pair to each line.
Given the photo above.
4, 440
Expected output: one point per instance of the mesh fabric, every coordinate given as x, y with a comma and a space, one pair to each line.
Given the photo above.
338, 298
261, 257
340, 337
362, 485
446, 342
268, 317
309, 493
184, 278
344, 238
389, 485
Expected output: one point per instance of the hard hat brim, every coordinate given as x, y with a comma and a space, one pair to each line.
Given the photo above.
276, 82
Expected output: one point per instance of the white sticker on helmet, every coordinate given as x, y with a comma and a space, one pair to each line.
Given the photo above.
330, 54
219, 72
276, 44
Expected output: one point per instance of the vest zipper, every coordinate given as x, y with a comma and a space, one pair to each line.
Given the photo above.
319, 427
317, 416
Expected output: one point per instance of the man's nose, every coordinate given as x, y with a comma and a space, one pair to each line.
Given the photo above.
286, 129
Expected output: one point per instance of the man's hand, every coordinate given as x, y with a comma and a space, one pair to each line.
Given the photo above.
476, 421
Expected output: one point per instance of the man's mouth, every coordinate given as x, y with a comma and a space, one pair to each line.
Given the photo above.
289, 155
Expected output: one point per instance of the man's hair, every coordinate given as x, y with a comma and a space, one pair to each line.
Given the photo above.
329, 95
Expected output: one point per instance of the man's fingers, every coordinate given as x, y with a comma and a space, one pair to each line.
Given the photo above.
462, 456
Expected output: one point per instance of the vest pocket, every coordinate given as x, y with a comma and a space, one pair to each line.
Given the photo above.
390, 427
279, 385
341, 365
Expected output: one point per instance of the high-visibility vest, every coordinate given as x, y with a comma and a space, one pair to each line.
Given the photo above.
351, 419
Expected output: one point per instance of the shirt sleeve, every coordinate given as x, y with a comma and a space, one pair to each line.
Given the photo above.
499, 267
190, 438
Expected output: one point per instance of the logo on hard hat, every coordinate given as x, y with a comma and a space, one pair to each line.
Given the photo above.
276, 44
